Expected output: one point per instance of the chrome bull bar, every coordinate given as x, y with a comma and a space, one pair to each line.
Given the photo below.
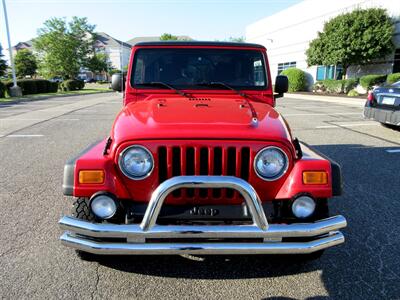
82, 235
243, 187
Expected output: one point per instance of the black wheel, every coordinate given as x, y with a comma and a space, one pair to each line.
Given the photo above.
82, 211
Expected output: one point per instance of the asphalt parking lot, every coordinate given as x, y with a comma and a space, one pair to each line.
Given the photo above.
36, 138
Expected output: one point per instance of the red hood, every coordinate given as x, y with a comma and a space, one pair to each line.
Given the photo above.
217, 117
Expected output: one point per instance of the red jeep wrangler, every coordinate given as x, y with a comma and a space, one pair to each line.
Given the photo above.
199, 162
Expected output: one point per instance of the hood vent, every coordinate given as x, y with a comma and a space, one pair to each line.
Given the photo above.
199, 99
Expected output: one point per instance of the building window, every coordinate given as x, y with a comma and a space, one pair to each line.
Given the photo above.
286, 65
329, 72
258, 73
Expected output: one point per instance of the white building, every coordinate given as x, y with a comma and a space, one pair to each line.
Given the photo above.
118, 52
287, 34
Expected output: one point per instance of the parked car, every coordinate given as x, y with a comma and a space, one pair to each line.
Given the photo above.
90, 80
199, 161
383, 105
57, 79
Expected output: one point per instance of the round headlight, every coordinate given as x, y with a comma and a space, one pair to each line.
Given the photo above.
303, 207
103, 206
136, 162
271, 163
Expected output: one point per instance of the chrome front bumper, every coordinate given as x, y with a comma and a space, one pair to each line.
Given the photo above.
88, 236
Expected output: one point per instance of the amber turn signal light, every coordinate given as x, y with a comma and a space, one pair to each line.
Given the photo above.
315, 177
91, 176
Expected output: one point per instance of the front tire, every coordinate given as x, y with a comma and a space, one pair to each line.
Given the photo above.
81, 210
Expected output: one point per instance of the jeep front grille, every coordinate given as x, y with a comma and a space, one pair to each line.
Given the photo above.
202, 160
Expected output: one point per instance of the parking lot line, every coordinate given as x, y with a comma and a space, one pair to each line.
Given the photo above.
316, 107
37, 119
346, 125
320, 114
24, 135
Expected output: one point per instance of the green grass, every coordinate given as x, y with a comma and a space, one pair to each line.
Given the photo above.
59, 93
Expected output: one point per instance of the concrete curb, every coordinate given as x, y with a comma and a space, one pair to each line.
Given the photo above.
19, 100
331, 99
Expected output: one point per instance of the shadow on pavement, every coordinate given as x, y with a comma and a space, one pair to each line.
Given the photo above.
211, 267
366, 266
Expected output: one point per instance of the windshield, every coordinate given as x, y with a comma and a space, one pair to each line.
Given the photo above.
194, 68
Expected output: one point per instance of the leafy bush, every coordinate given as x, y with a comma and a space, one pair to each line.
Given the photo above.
42, 86
2, 90
368, 81
352, 93
72, 85
297, 79
349, 84
28, 86
53, 88
319, 87
35, 86
392, 78
333, 86
336, 86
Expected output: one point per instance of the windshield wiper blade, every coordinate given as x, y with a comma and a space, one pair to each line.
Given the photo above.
159, 83
240, 93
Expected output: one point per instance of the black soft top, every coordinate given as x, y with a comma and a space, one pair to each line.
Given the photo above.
199, 43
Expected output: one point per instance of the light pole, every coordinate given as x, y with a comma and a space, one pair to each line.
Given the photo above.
15, 90
122, 67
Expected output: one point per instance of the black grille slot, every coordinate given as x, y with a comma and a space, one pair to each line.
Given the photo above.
190, 167
162, 164
231, 168
217, 168
176, 167
203, 168
176, 161
245, 165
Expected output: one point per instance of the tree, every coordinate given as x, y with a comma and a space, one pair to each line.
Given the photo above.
98, 63
3, 63
168, 37
63, 47
25, 63
239, 39
354, 38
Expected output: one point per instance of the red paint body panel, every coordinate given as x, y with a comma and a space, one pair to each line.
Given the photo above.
159, 118
285, 188
175, 117
95, 160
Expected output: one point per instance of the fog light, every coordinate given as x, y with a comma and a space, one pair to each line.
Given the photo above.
103, 206
303, 207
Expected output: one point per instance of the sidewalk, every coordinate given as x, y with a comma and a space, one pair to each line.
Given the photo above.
36, 97
331, 99
14, 123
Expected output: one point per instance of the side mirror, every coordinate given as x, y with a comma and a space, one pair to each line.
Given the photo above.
118, 82
281, 85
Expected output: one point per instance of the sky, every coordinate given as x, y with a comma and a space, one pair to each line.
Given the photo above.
126, 19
